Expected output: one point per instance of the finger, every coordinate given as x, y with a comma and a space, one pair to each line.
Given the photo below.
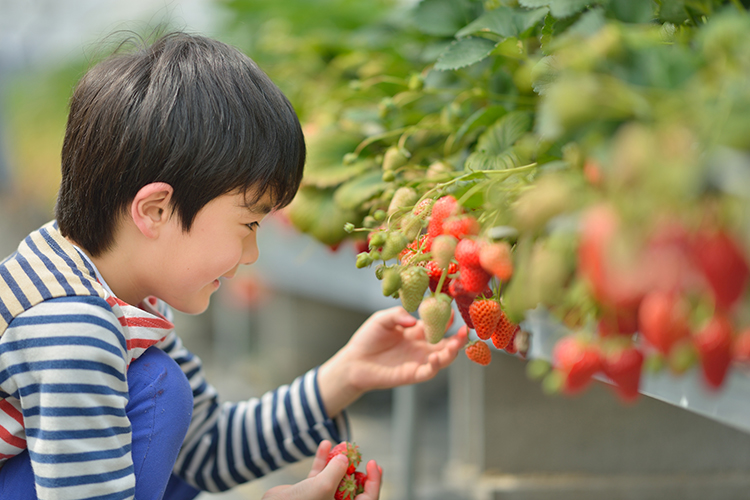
319, 462
374, 480
329, 478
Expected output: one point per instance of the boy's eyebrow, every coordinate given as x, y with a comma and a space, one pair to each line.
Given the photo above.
261, 208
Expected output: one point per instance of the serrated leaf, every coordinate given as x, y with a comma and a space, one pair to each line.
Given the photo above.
444, 17
480, 118
480, 160
352, 194
465, 52
504, 21
504, 133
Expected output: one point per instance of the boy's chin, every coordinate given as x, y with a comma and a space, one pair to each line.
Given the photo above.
192, 307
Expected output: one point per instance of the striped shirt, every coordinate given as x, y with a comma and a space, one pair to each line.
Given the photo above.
65, 345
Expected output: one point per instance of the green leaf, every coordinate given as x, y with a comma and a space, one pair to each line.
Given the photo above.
481, 118
479, 160
464, 52
444, 17
504, 21
504, 133
352, 194
633, 11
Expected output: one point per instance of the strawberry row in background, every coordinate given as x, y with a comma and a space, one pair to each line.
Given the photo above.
678, 288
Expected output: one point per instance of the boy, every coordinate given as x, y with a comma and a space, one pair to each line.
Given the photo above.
173, 155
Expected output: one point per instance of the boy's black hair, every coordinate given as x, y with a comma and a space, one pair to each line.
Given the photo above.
187, 110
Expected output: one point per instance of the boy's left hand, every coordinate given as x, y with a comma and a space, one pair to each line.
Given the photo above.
387, 351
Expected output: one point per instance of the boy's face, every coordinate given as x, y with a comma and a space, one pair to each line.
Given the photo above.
222, 237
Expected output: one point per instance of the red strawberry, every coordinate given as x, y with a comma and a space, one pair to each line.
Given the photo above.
434, 272
474, 278
623, 366
714, 344
463, 300
485, 313
442, 209
741, 347
662, 318
416, 247
618, 321
510, 347
347, 489
435, 312
361, 479
423, 209
496, 259
461, 226
504, 332
723, 264
578, 361
467, 253
479, 352
350, 451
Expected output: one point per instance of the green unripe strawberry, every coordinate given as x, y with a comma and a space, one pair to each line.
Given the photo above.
363, 260
391, 281
435, 312
414, 283
403, 197
394, 158
443, 249
394, 243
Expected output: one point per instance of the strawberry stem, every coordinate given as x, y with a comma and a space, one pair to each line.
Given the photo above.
441, 281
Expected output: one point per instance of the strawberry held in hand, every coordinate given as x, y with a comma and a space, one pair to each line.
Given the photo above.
435, 312
350, 451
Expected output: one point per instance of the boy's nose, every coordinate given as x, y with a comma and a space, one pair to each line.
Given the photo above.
250, 252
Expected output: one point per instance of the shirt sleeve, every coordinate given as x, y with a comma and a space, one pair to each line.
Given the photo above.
231, 443
64, 360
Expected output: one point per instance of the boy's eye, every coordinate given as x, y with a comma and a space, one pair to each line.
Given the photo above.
253, 226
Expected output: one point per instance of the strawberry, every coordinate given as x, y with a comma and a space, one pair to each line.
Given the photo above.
714, 344
347, 489
722, 262
395, 243
474, 278
443, 208
496, 259
479, 352
577, 361
414, 283
467, 253
435, 272
618, 321
435, 312
443, 248
413, 249
623, 366
403, 197
391, 281
461, 226
360, 478
504, 332
485, 313
511, 348
423, 209
662, 319
741, 347
350, 451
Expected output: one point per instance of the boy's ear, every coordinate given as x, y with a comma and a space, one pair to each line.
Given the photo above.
150, 209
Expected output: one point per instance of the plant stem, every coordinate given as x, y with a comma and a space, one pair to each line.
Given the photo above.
441, 281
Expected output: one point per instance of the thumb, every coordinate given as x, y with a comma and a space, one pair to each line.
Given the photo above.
333, 473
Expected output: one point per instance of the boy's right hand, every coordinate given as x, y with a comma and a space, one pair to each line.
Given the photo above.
323, 480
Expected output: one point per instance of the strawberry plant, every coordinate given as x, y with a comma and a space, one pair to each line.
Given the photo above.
589, 157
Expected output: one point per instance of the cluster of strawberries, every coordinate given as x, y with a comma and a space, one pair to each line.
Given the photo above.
679, 291
455, 264
353, 482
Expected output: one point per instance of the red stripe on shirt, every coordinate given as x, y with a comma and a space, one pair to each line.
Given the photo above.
11, 411
149, 322
11, 439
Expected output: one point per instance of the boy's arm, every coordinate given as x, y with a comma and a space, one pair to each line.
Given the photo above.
231, 443
64, 361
